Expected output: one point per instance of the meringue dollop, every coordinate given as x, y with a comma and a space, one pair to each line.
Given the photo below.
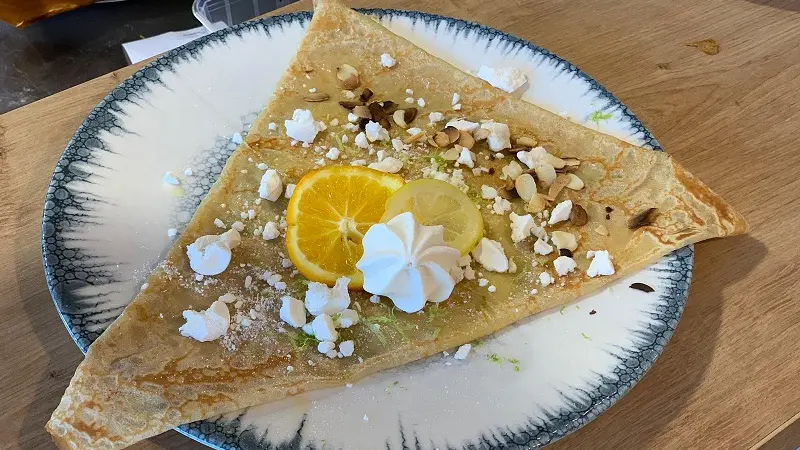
408, 262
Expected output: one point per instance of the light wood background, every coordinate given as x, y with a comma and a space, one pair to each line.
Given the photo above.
730, 377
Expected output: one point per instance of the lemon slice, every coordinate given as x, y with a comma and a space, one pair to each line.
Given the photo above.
330, 211
435, 202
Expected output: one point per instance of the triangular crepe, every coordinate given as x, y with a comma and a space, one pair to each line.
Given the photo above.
141, 377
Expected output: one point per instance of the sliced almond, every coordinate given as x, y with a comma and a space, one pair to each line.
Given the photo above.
578, 216
572, 162
432, 141
546, 174
442, 139
561, 182
451, 154
508, 191
564, 240
466, 140
409, 115
399, 117
316, 97
414, 138
362, 112
388, 106
452, 134
575, 183
554, 161
526, 186
643, 219
601, 230
536, 204
526, 141
512, 170
481, 134
366, 94
348, 76
377, 111
350, 104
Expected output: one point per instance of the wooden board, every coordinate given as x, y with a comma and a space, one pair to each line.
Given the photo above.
728, 379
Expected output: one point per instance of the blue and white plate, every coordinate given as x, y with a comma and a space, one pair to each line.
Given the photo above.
107, 214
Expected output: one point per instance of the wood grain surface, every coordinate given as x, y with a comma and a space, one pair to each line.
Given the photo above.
730, 377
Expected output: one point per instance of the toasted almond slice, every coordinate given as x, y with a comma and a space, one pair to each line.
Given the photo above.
366, 94
414, 138
564, 240
575, 183
316, 97
554, 161
601, 230
526, 141
526, 186
466, 140
442, 139
536, 204
545, 173
508, 191
558, 185
432, 141
362, 112
399, 118
452, 134
481, 134
348, 76
579, 217
451, 154
350, 104
409, 115
572, 162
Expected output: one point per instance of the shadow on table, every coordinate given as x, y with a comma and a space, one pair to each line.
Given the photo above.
789, 5
649, 409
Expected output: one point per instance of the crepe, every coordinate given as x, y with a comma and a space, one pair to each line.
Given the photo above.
141, 377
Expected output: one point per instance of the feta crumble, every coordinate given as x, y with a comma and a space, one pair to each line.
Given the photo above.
564, 265
387, 60
490, 255
561, 212
508, 79
271, 186
600, 265
302, 126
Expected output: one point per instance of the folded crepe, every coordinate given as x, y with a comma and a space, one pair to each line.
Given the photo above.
141, 377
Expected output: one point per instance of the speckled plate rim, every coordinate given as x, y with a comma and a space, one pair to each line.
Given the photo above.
558, 423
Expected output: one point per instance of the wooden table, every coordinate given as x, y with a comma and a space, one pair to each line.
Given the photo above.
729, 378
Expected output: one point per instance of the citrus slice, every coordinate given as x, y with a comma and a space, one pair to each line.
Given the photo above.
435, 202
328, 214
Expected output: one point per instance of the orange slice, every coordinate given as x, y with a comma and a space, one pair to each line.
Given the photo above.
328, 215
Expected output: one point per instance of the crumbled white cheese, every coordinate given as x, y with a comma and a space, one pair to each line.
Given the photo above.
352, 118
289, 190
388, 165
387, 60
456, 98
238, 226
534, 157
421, 102
512, 171
345, 139
564, 265
542, 247
334, 122
492, 289
169, 178
457, 107
410, 100
463, 125
346, 348
483, 282
508, 79
398, 145
308, 329
465, 157
270, 231
333, 154
207, 325
312, 90
499, 135
601, 264
488, 192
172, 232
262, 166
490, 255
380, 154
501, 206
469, 273
521, 226
376, 132
302, 126
457, 273
409, 92
293, 312
462, 352
561, 212
361, 140
345, 319
271, 186
323, 327
227, 298
326, 346
545, 279
320, 299
272, 126
435, 117
414, 131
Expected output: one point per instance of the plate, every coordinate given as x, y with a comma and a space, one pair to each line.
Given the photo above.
107, 214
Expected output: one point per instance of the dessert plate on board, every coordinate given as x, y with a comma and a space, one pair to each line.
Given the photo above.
107, 213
